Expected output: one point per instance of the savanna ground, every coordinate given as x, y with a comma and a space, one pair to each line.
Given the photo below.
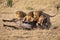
48, 6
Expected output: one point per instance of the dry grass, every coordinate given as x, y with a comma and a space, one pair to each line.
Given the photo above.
7, 33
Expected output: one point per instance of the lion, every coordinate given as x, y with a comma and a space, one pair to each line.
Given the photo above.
44, 20
29, 20
19, 15
28, 17
36, 15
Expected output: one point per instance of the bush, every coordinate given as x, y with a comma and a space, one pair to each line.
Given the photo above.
9, 3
